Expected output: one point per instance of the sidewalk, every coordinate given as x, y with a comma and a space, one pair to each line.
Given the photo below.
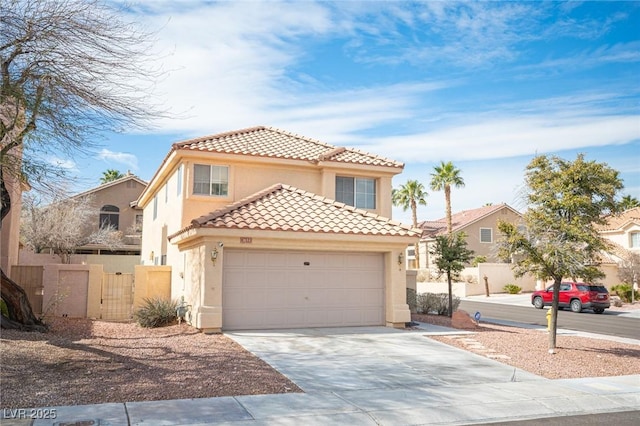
449, 405
419, 382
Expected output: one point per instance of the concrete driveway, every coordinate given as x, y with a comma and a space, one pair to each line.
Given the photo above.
382, 376
368, 358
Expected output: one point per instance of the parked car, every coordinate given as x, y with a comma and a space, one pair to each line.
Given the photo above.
577, 296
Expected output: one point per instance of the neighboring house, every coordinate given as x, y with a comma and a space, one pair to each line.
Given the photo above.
623, 229
117, 203
480, 226
267, 229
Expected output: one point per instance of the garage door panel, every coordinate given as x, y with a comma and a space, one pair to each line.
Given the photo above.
280, 291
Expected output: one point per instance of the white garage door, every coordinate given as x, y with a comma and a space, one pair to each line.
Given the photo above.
292, 289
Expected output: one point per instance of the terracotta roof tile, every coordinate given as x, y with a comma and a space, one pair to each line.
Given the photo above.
619, 221
271, 142
286, 208
458, 220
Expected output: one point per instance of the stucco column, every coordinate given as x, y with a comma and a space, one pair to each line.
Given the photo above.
208, 315
397, 310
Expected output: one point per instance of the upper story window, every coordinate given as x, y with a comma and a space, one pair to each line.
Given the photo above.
179, 180
357, 192
210, 180
109, 217
155, 207
634, 240
486, 235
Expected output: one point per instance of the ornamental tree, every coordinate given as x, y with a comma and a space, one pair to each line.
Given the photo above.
566, 201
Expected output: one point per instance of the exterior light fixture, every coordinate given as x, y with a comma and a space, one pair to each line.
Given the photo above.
400, 258
214, 256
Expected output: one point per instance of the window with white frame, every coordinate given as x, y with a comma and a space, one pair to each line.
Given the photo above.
210, 180
357, 192
155, 207
486, 235
179, 181
634, 240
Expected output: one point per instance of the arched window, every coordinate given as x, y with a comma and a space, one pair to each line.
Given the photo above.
110, 216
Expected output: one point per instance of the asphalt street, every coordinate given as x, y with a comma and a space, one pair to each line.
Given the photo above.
608, 323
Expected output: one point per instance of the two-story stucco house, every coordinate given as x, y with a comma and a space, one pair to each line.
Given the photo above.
480, 226
623, 229
116, 201
267, 229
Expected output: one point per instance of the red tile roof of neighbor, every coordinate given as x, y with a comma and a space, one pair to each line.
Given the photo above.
286, 208
274, 143
620, 220
458, 220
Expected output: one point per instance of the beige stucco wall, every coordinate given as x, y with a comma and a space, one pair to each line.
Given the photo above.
491, 221
110, 263
247, 175
622, 237
119, 195
151, 282
72, 290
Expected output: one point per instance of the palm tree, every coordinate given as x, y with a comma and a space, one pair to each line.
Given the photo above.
446, 175
408, 196
628, 202
110, 175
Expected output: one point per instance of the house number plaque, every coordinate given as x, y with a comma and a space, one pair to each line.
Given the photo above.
246, 240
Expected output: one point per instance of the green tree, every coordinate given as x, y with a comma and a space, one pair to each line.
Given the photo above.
566, 201
110, 175
409, 196
451, 255
69, 70
444, 177
629, 202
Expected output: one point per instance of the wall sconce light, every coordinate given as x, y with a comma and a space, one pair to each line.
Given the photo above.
214, 256
151, 256
400, 258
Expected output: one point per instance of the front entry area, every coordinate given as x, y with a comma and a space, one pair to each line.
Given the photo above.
269, 289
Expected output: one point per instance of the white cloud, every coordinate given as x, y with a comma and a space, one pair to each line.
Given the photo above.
67, 164
504, 137
124, 158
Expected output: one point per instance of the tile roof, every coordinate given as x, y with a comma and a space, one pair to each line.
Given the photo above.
620, 220
274, 143
128, 176
286, 208
459, 220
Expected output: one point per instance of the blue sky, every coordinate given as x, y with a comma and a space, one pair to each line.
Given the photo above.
487, 85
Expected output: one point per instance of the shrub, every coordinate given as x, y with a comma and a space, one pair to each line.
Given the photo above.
624, 292
436, 303
156, 312
478, 259
512, 289
412, 300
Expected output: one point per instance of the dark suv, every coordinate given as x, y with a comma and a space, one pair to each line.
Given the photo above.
577, 296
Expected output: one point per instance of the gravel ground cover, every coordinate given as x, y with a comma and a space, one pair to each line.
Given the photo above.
87, 362
527, 349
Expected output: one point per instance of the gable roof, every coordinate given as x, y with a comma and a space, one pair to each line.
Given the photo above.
286, 208
98, 188
274, 143
620, 221
460, 220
